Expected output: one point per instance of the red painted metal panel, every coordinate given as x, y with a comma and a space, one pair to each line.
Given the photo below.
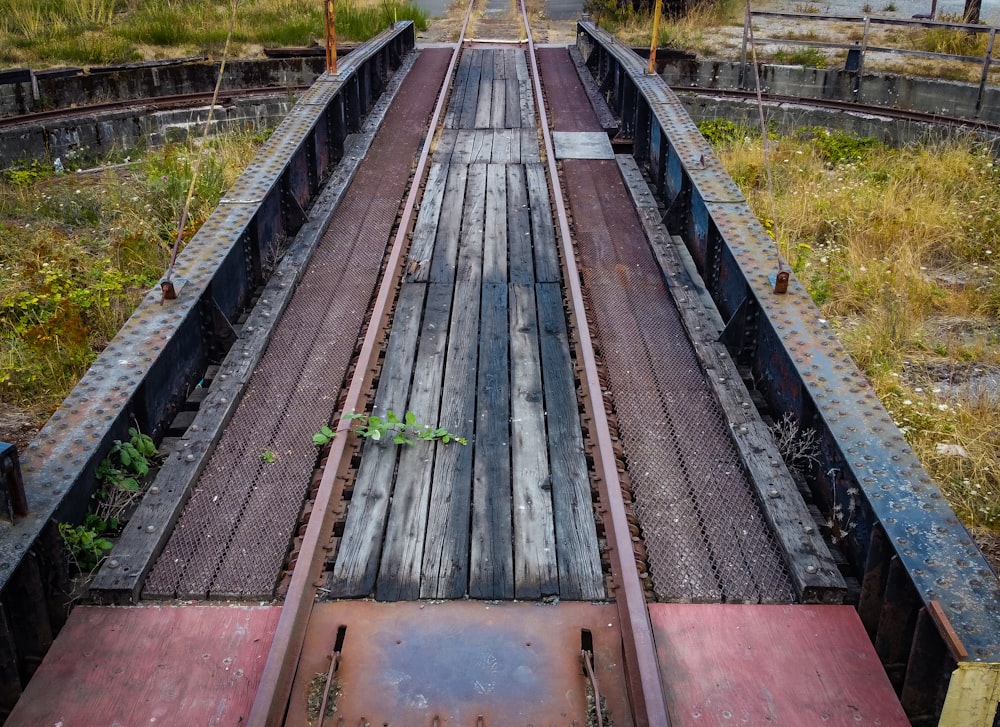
162, 665
770, 665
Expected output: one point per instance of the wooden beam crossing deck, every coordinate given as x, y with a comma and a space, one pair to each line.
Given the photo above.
479, 345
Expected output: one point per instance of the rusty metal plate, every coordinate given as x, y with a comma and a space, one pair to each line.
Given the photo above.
459, 663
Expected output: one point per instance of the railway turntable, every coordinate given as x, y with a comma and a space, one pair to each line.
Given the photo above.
545, 495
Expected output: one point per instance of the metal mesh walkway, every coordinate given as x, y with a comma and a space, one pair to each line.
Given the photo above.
705, 536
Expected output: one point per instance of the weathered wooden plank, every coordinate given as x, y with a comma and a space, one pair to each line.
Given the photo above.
530, 151
524, 92
512, 102
500, 64
543, 233
449, 227
462, 151
470, 252
482, 146
506, 146
495, 243
445, 146
521, 269
536, 573
484, 107
456, 101
446, 547
402, 553
361, 545
579, 557
418, 263
811, 567
498, 108
470, 100
491, 561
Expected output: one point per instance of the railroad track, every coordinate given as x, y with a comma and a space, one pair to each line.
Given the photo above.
290, 651
619, 534
846, 107
177, 101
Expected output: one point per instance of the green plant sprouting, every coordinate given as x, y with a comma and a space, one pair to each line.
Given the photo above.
85, 545
401, 431
119, 475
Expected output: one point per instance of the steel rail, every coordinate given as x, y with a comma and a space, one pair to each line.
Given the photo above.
648, 701
888, 112
274, 690
177, 101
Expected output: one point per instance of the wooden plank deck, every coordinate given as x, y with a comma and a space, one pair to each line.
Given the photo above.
479, 345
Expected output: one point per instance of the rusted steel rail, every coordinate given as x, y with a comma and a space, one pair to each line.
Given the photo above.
162, 352
646, 689
929, 600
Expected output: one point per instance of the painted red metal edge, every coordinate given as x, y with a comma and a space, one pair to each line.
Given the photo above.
648, 702
275, 686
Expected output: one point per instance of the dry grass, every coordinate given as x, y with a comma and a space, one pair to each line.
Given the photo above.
42, 33
898, 248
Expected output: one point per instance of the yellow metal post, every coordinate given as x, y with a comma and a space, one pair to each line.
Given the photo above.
331, 35
656, 37
973, 695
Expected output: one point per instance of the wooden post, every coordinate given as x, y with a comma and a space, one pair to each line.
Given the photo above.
656, 37
331, 35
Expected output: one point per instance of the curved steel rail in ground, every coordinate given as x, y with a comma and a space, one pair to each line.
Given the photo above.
178, 101
852, 107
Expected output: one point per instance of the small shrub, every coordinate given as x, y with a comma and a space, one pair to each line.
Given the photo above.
85, 546
720, 132
806, 57
121, 474
839, 147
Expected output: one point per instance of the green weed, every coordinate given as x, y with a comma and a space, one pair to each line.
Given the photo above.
85, 546
390, 428
77, 253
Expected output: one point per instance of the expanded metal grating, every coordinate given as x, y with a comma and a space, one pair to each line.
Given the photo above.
234, 534
705, 536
